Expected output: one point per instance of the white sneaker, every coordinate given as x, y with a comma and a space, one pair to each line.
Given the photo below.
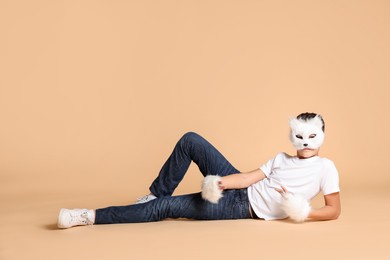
75, 217
145, 199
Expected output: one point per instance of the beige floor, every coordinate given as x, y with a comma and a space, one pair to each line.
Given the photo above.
28, 231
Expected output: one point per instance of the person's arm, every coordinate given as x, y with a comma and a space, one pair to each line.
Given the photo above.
330, 211
241, 180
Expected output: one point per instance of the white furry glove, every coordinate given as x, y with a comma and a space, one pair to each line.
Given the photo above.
210, 188
295, 206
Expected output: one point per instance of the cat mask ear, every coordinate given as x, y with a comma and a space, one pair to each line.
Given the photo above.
317, 121
306, 133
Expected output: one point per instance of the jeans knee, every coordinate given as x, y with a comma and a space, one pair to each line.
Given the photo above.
190, 135
189, 138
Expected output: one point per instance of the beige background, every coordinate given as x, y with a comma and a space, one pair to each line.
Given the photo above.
95, 94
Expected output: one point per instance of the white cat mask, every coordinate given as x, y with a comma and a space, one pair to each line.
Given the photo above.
306, 134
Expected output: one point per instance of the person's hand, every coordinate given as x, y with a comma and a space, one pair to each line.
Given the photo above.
294, 205
211, 190
221, 186
283, 191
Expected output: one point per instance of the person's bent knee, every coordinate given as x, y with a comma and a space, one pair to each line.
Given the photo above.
190, 137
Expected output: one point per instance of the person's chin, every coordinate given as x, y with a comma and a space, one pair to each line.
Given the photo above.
307, 153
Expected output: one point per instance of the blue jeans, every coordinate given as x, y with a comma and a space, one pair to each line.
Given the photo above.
191, 147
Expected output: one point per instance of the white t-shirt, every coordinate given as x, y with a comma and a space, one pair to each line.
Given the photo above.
306, 177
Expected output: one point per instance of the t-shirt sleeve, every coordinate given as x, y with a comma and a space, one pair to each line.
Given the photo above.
267, 167
330, 179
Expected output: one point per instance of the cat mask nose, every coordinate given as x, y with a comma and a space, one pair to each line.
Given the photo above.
304, 145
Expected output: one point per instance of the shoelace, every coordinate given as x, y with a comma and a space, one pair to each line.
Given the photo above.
82, 218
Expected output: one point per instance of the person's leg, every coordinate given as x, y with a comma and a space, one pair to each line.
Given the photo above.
234, 205
191, 147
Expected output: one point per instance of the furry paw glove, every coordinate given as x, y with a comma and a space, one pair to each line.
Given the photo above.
295, 206
210, 188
